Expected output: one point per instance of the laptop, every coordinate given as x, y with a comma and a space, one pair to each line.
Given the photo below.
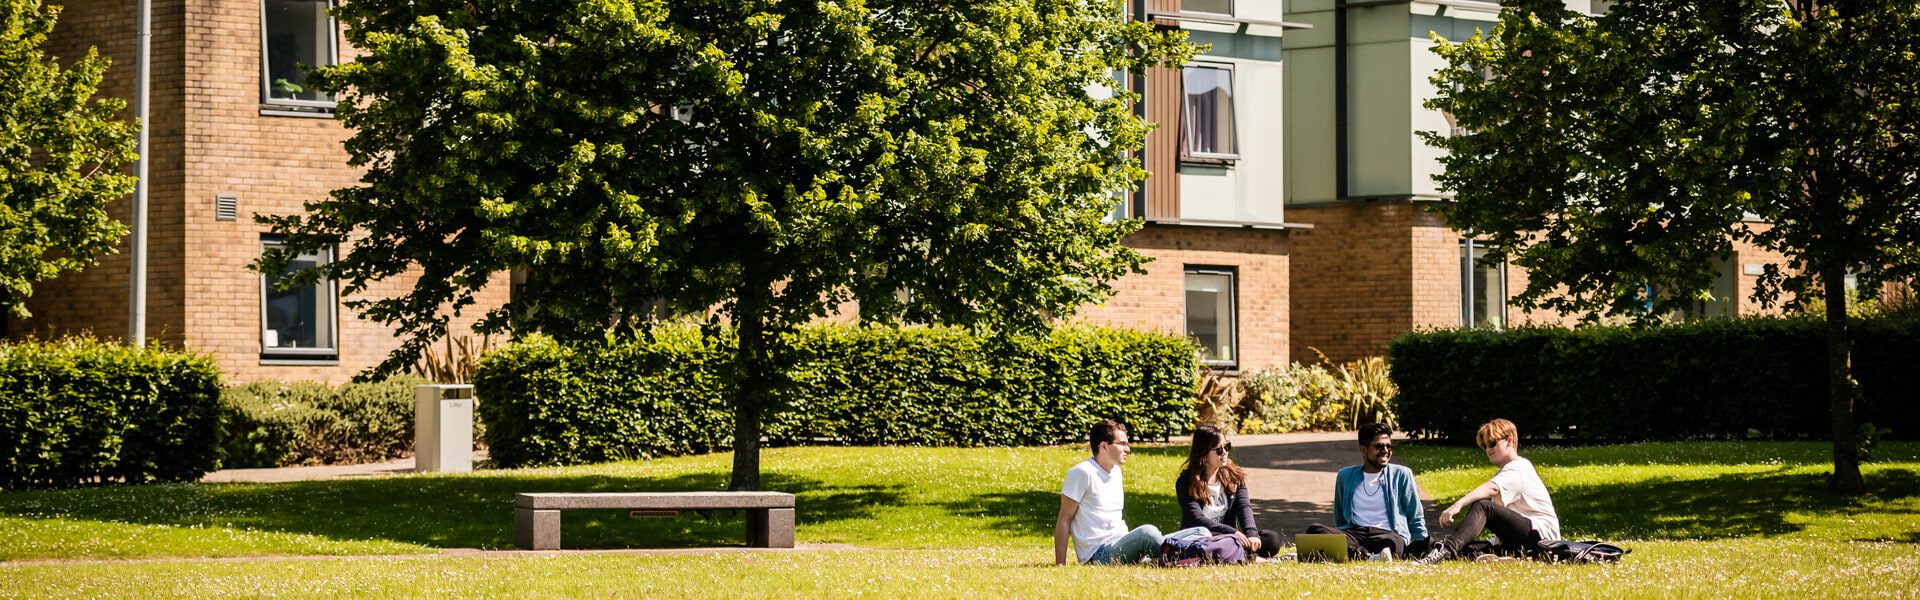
1329, 547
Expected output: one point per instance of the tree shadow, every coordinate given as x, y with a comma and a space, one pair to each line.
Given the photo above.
1728, 506
443, 512
1033, 512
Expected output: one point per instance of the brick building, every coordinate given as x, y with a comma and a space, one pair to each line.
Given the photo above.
231, 133
1287, 214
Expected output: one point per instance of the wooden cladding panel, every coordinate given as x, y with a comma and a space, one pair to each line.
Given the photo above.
1162, 98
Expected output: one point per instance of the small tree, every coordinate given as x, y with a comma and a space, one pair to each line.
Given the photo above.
772, 158
1625, 153
60, 153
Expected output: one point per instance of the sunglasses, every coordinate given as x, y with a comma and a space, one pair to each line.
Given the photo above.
1223, 449
1383, 447
1495, 444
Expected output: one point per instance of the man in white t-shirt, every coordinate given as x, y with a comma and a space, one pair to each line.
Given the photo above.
1514, 504
1091, 500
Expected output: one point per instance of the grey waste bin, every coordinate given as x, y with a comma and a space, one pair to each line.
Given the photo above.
443, 428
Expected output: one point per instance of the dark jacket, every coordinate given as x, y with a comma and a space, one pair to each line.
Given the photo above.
1238, 509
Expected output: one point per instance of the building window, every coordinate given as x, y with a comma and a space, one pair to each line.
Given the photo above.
297, 322
296, 32
1218, 7
1206, 117
1483, 287
1210, 313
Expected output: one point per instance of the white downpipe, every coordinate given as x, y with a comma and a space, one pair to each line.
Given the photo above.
137, 317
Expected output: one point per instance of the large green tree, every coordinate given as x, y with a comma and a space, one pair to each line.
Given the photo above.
60, 152
771, 158
1614, 155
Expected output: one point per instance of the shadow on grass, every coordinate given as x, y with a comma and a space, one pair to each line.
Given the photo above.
444, 512
1729, 506
1033, 512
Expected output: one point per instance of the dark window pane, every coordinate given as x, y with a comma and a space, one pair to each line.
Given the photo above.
1210, 314
1207, 115
299, 319
298, 32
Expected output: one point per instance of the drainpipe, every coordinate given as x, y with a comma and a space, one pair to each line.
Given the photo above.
137, 317
1340, 165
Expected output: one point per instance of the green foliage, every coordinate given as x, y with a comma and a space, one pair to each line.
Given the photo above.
845, 151
1724, 378
77, 411
545, 402
1296, 398
59, 157
1618, 158
1315, 397
282, 423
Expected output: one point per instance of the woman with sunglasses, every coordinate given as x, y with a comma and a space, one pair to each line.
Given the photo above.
1213, 493
1514, 505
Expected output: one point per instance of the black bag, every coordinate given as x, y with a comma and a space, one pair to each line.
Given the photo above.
1590, 551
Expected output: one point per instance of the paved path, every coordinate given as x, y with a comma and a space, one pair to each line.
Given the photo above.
389, 468
1291, 477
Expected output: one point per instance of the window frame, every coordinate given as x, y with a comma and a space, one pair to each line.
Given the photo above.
331, 298
1469, 269
1232, 331
266, 62
1233, 106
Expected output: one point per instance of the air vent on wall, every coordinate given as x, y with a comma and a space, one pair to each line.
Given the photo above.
226, 207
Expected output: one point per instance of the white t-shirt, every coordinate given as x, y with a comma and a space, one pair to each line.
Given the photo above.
1101, 499
1216, 504
1521, 490
1370, 502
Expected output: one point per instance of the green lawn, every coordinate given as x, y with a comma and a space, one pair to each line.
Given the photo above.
1704, 519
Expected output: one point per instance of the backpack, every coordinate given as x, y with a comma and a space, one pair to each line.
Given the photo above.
1590, 551
1192, 551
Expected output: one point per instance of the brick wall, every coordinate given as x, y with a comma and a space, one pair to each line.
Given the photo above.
210, 138
1156, 300
1353, 279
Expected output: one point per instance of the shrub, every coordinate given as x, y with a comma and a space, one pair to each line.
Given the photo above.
1725, 378
666, 394
280, 423
77, 410
1295, 398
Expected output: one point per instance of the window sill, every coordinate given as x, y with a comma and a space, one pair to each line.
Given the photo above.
1225, 160
288, 361
288, 110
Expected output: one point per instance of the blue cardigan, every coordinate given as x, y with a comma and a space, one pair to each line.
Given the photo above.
1404, 512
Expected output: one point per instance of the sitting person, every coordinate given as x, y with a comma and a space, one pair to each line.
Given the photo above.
1513, 505
1090, 503
1213, 494
1376, 503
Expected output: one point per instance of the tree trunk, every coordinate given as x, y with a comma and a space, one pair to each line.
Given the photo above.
750, 383
1840, 386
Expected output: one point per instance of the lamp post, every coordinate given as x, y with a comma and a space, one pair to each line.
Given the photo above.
137, 315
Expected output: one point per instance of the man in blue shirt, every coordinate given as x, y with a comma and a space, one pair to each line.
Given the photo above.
1376, 503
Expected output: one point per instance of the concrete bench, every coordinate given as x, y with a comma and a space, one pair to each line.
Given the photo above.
536, 517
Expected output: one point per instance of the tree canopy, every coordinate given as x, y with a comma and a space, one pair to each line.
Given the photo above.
771, 158
60, 152
1623, 153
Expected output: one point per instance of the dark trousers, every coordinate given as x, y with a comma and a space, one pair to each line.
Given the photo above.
1365, 541
1517, 537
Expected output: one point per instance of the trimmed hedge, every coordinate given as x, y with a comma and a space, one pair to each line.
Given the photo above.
77, 410
546, 403
281, 423
1725, 378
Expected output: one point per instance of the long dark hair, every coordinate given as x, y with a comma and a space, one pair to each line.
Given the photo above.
1205, 438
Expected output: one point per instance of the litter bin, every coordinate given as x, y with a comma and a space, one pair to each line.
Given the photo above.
443, 428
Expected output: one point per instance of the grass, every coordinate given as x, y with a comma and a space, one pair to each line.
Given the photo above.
874, 497
1704, 520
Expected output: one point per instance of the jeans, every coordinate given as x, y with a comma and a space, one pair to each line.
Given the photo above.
1364, 541
1517, 537
1142, 542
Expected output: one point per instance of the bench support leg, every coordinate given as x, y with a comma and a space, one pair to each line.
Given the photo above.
770, 528
536, 529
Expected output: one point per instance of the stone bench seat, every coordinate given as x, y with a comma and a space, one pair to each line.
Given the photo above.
536, 517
